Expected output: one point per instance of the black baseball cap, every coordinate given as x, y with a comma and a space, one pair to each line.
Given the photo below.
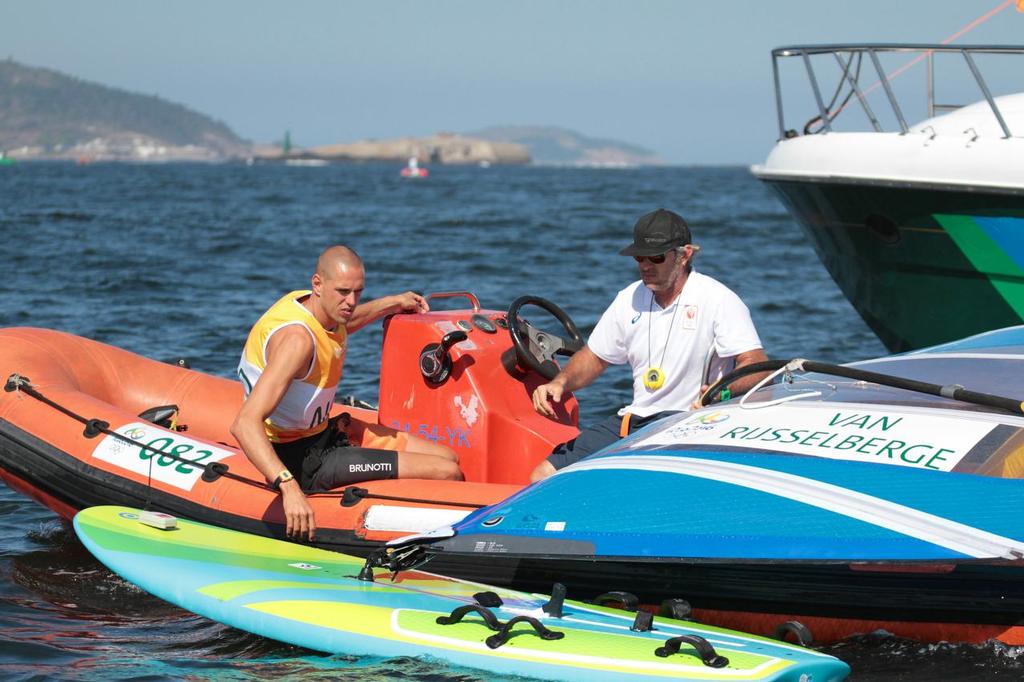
656, 233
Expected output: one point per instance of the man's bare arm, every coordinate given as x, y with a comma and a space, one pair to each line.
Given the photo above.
288, 356
744, 384
748, 382
581, 370
371, 311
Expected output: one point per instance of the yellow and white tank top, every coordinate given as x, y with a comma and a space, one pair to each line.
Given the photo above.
304, 408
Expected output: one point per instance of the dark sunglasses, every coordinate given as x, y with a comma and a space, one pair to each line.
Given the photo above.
657, 260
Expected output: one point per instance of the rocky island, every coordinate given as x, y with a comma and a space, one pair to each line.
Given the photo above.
442, 148
552, 146
48, 115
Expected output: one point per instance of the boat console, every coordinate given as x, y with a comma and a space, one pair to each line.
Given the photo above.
463, 378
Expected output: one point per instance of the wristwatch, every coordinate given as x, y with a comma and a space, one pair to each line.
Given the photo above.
282, 477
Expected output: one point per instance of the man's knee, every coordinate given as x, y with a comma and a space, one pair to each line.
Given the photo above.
443, 469
428, 447
541, 471
448, 453
420, 465
450, 470
590, 440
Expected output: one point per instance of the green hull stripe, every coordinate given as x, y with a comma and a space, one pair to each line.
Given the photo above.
987, 257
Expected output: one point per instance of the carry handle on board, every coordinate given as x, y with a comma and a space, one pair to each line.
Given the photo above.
629, 601
704, 649
490, 620
503, 630
505, 633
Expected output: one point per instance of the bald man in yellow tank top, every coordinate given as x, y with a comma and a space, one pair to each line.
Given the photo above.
290, 369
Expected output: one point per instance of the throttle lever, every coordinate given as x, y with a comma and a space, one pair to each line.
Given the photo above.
435, 362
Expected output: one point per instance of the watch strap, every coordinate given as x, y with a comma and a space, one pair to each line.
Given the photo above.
282, 477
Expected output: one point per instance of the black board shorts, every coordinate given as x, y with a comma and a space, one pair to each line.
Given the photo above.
327, 461
597, 437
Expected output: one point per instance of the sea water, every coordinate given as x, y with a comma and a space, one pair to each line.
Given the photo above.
177, 261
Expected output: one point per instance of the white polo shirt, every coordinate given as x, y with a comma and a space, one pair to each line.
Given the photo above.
706, 316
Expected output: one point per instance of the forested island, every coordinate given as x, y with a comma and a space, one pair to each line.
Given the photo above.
45, 114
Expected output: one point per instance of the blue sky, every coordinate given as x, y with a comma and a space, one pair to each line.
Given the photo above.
690, 80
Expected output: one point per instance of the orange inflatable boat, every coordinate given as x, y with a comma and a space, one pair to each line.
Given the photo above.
83, 423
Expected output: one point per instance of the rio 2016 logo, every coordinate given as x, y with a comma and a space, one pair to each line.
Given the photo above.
697, 425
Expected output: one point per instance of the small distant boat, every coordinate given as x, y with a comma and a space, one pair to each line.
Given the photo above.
6, 160
413, 170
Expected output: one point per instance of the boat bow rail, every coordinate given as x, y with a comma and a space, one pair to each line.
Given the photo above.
952, 145
850, 57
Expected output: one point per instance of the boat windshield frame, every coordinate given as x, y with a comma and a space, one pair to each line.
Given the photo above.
872, 50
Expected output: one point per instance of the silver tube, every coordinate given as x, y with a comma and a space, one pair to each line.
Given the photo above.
860, 95
888, 91
984, 89
778, 97
931, 84
817, 91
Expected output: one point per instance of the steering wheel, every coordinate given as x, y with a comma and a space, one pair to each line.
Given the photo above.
536, 348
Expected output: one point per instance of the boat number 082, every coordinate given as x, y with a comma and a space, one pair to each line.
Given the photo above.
179, 450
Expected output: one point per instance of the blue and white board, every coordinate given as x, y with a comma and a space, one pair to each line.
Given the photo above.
694, 504
312, 598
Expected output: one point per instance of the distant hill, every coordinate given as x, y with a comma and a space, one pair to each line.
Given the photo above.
47, 114
558, 146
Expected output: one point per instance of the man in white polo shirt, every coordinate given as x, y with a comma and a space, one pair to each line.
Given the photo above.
668, 325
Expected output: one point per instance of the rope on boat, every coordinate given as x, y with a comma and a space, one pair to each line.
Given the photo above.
952, 391
212, 470
352, 496
93, 427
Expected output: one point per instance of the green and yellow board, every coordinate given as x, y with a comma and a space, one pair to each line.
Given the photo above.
313, 598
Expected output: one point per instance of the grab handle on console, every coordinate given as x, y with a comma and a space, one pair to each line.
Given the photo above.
474, 301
